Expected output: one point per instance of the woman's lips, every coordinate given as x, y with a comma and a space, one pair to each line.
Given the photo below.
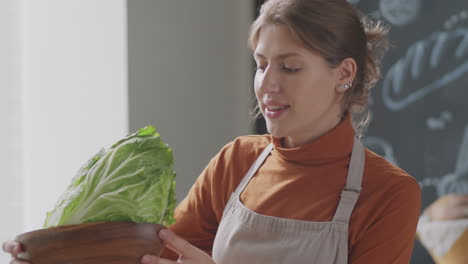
273, 112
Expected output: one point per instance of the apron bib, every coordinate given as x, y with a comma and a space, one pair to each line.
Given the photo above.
245, 236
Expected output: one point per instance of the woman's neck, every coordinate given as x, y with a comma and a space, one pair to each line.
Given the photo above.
294, 142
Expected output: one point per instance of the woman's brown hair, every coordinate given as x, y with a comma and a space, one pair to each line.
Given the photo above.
336, 30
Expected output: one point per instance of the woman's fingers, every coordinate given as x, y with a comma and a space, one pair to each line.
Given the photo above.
179, 245
188, 253
15, 261
149, 259
11, 247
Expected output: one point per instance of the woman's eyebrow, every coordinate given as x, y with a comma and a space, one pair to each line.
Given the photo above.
280, 56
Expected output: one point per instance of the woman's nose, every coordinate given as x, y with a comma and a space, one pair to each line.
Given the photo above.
269, 81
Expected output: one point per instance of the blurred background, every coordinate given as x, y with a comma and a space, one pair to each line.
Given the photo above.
78, 75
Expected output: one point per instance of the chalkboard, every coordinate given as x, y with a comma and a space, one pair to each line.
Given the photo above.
420, 108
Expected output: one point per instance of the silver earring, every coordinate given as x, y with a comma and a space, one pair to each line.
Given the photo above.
346, 86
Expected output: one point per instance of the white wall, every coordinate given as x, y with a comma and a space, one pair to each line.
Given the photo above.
64, 87
74, 92
11, 199
190, 75
73, 99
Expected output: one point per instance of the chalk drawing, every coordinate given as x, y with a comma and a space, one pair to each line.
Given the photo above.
354, 2
422, 56
454, 182
455, 19
439, 123
400, 12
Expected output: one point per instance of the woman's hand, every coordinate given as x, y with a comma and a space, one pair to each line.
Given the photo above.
13, 248
188, 253
449, 207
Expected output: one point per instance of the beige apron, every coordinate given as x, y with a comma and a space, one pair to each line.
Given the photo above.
247, 237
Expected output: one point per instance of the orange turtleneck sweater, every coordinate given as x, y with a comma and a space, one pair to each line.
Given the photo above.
305, 183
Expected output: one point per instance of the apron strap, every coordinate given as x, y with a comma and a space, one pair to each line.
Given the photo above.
253, 169
350, 193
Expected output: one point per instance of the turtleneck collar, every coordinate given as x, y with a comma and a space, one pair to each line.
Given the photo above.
331, 146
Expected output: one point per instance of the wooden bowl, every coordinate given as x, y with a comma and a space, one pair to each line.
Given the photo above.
92, 243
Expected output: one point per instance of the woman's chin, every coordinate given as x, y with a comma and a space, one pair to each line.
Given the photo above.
277, 133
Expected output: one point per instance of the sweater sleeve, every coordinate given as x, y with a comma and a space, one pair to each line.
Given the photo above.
390, 238
198, 215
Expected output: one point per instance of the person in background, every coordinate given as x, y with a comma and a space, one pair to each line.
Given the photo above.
442, 229
308, 192
448, 207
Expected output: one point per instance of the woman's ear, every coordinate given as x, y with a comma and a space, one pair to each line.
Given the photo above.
346, 74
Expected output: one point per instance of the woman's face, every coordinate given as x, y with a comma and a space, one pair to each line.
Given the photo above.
295, 87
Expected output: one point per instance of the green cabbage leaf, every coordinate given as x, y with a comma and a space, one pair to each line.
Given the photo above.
132, 181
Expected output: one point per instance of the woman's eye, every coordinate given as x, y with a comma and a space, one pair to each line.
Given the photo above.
260, 68
290, 70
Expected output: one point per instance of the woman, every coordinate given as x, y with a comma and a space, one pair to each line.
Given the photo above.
308, 192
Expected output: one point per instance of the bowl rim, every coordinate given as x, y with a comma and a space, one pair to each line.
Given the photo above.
72, 227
